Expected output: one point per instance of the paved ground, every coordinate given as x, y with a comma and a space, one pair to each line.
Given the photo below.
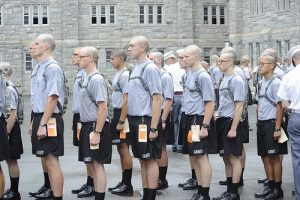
179, 170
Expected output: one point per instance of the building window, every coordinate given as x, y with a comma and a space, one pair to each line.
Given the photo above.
206, 53
251, 52
35, 15
108, 54
107, 14
279, 48
1, 15
282, 4
257, 49
287, 46
161, 50
214, 14
256, 7
28, 61
219, 49
151, 14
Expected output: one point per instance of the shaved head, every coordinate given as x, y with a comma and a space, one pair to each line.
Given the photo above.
91, 51
142, 41
48, 39
193, 50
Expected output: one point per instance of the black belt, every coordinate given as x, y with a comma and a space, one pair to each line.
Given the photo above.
178, 93
41, 114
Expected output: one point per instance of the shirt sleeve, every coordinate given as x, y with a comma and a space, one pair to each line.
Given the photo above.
238, 89
282, 91
55, 80
13, 98
98, 89
206, 86
275, 88
152, 79
167, 86
124, 82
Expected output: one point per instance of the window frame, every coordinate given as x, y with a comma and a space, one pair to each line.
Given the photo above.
213, 15
207, 54
39, 15
103, 12
107, 57
1, 15
153, 18
26, 55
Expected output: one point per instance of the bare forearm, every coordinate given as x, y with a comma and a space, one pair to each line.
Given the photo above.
49, 108
167, 108
208, 112
156, 107
238, 110
124, 108
279, 115
101, 117
10, 122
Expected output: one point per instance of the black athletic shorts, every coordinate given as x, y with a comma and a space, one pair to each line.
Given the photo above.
144, 150
167, 135
101, 155
115, 134
15, 142
53, 145
206, 145
76, 120
228, 146
4, 149
182, 130
266, 145
245, 129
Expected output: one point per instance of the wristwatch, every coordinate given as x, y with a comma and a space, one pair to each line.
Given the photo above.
98, 132
121, 122
153, 130
277, 129
205, 126
42, 124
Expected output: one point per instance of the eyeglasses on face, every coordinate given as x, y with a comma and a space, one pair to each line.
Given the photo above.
262, 64
223, 61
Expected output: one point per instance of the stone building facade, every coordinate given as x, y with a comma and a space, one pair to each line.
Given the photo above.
169, 24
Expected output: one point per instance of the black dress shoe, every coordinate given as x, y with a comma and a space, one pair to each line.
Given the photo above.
266, 183
118, 185
233, 197
222, 196
87, 192
266, 191
162, 184
40, 191
183, 184
196, 196
191, 185
123, 189
6, 191
76, 191
262, 180
223, 182
12, 196
276, 194
47, 194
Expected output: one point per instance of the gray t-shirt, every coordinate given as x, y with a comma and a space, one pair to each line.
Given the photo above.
13, 96
279, 72
76, 89
139, 99
93, 91
216, 76
230, 93
194, 101
120, 87
46, 82
266, 110
167, 87
240, 72
183, 85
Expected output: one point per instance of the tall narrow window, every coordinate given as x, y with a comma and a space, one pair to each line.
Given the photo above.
108, 54
142, 14
205, 14
44, 14
251, 52
206, 54
287, 46
257, 50
94, 14
0, 15
103, 15
26, 12
112, 14
222, 15
35, 14
279, 48
150, 15
28, 61
159, 14
214, 15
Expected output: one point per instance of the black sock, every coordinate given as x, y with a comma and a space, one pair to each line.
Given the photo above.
46, 180
99, 195
194, 174
271, 184
277, 185
229, 183
200, 189
234, 188
151, 194
145, 193
126, 176
14, 184
163, 172
242, 176
205, 191
90, 181
57, 198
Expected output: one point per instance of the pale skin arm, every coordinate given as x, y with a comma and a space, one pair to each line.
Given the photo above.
10, 122
279, 118
166, 111
238, 110
49, 110
208, 113
123, 112
101, 117
285, 104
156, 109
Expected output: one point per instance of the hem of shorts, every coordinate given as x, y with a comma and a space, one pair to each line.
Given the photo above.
46, 154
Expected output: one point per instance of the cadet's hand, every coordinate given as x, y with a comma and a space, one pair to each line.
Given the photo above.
152, 135
120, 127
30, 130
203, 133
276, 135
94, 138
231, 134
42, 132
